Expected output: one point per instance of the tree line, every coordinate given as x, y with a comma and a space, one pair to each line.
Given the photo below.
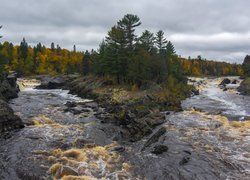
122, 56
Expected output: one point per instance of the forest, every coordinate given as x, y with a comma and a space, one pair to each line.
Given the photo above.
123, 56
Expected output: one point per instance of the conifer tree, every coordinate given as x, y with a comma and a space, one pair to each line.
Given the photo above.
128, 24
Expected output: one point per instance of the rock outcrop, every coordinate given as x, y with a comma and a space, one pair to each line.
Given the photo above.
8, 90
49, 82
8, 120
244, 88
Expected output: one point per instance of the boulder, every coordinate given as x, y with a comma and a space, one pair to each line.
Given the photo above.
8, 120
159, 149
234, 81
225, 82
48, 82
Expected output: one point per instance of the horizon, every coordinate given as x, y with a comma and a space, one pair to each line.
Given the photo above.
195, 28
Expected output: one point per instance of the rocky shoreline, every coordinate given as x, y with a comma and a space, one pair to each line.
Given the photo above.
8, 90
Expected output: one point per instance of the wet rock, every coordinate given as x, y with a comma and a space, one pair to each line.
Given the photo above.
196, 92
65, 171
155, 137
119, 149
225, 89
234, 81
7, 91
225, 82
184, 160
48, 82
8, 120
159, 149
71, 104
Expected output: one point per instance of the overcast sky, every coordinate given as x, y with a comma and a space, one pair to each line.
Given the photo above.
214, 29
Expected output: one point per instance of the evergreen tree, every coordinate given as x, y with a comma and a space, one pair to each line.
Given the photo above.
146, 41
128, 24
23, 50
52, 47
161, 42
0, 28
170, 49
85, 63
115, 57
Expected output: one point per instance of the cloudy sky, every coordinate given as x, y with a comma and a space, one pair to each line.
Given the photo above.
214, 29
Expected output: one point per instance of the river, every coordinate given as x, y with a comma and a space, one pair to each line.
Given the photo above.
210, 139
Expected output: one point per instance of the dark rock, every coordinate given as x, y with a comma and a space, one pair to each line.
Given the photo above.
225, 89
234, 81
187, 152
8, 120
196, 92
119, 149
71, 104
154, 119
184, 160
159, 149
245, 87
225, 82
48, 82
155, 137
7, 91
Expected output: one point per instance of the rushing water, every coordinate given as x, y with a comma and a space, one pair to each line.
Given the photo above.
210, 139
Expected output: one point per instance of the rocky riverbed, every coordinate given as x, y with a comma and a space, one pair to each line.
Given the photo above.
69, 137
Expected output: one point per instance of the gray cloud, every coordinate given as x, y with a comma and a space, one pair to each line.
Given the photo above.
211, 28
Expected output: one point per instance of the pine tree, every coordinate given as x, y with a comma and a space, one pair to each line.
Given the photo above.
146, 41
23, 49
161, 42
115, 57
128, 24
52, 47
170, 49
0, 28
85, 63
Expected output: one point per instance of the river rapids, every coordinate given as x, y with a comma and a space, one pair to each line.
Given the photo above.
65, 138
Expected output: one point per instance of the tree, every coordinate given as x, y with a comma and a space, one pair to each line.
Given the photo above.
170, 49
85, 64
115, 57
52, 47
0, 28
23, 49
246, 66
161, 42
128, 24
146, 41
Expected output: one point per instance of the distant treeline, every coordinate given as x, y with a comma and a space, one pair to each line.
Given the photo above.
122, 55
199, 67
